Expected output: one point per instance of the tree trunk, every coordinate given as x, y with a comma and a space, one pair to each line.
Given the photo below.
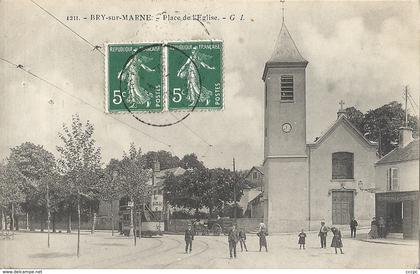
78, 226
112, 217
69, 221
3, 224
42, 223
13, 220
53, 223
92, 231
27, 221
17, 223
32, 221
48, 215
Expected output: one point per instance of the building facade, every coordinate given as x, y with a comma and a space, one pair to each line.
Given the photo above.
306, 183
397, 187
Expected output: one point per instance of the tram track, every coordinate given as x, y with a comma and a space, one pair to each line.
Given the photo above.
207, 247
124, 262
124, 255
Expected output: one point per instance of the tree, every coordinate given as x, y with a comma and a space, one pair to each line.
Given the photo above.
165, 159
10, 191
190, 161
111, 189
80, 164
356, 117
381, 124
200, 187
133, 176
37, 166
187, 190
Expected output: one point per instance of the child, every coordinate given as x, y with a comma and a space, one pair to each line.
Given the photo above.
302, 237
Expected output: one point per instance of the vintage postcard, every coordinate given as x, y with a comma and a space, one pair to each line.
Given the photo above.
236, 134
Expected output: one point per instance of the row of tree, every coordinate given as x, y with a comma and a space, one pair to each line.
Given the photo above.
34, 182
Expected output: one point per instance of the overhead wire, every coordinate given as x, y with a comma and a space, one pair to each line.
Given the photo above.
22, 67
95, 47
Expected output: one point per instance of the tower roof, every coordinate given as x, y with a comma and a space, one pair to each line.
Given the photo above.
285, 49
285, 53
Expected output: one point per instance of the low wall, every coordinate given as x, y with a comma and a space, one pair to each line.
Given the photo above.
102, 223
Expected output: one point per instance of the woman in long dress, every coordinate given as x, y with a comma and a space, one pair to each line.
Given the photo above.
336, 240
136, 93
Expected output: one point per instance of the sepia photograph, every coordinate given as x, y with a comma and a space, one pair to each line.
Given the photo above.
238, 134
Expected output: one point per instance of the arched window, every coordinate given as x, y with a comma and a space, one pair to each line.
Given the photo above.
342, 165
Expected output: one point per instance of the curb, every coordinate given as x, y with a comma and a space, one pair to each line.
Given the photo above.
387, 243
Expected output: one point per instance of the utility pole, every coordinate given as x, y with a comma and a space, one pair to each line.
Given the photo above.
234, 188
48, 213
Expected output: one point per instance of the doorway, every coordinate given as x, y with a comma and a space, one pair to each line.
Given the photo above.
395, 215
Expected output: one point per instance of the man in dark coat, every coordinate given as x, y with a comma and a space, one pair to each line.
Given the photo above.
353, 226
189, 237
233, 238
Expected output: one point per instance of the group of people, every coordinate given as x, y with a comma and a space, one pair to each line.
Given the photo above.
378, 228
238, 235
336, 240
235, 235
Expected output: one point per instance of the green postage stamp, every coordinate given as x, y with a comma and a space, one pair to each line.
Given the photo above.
134, 77
195, 75
188, 74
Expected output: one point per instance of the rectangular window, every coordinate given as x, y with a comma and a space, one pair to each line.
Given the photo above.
342, 165
255, 175
393, 179
286, 85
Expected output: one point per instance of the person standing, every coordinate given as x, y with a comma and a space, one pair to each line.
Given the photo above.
373, 233
301, 242
233, 238
323, 231
242, 239
336, 241
381, 227
353, 227
262, 232
189, 237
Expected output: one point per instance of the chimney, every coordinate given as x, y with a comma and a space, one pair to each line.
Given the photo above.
406, 136
156, 166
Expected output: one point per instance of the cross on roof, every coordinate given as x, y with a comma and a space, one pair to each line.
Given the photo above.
341, 104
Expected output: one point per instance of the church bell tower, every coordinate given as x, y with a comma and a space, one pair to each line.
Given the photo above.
285, 153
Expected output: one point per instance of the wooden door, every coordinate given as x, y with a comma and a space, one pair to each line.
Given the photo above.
342, 207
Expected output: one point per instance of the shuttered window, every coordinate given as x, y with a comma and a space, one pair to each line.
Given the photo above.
286, 84
393, 179
342, 165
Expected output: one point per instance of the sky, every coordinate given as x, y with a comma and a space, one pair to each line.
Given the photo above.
361, 52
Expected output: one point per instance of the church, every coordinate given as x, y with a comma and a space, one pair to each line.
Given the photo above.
329, 180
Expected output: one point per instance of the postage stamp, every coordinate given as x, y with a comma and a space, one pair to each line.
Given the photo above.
195, 75
134, 75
